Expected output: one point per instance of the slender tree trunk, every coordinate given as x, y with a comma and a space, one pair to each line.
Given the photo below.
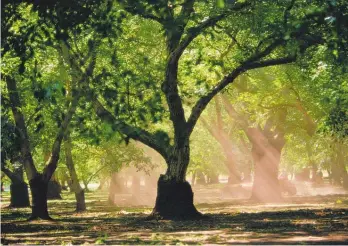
39, 187
341, 165
85, 184
117, 186
75, 184
200, 178
193, 181
174, 194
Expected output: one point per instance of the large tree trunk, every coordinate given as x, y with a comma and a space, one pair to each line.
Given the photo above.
18, 188
19, 195
266, 149
174, 200
266, 186
38, 188
54, 189
234, 176
174, 194
75, 184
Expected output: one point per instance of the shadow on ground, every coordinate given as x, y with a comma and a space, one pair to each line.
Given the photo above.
311, 220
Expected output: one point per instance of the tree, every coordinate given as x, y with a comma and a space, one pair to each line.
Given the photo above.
75, 184
280, 34
17, 44
217, 130
10, 153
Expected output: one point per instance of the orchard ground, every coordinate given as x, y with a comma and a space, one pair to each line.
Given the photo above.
319, 219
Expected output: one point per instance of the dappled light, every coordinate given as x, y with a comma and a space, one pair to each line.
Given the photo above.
174, 122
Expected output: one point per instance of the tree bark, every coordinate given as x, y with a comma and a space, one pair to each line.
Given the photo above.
75, 183
174, 194
266, 186
19, 195
266, 151
18, 188
54, 189
39, 187
174, 200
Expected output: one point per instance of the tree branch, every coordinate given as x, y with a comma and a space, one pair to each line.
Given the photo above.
142, 12
52, 162
18, 116
133, 132
193, 32
9, 173
203, 101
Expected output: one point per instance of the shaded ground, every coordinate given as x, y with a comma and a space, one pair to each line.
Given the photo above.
306, 220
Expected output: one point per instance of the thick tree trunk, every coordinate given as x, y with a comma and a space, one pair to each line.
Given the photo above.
266, 186
54, 190
267, 146
174, 200
18, 189
80, 200
39, 189
85, 184
19, 195
174, 194
233, 177
75, 184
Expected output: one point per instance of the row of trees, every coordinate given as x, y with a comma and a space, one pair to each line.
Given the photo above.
147, 70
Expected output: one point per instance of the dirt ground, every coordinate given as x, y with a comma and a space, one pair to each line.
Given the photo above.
298, 220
